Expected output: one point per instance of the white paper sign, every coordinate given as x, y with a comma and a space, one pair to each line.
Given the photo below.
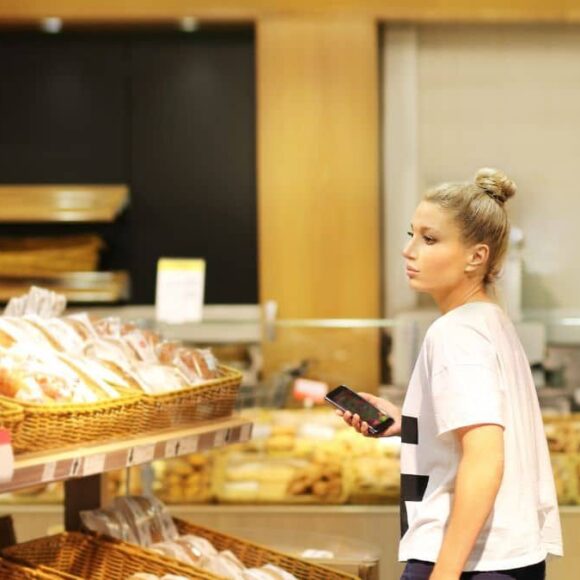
172, 448
141, 454
75, 467
220, 438
48, 472
188, 445
6, 456
246, 432
94, 464
180, 290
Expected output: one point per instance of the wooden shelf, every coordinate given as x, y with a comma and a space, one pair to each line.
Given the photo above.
39, 468
93, 287
62, 203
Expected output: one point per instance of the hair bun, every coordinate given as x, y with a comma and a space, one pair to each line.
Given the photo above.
496, 184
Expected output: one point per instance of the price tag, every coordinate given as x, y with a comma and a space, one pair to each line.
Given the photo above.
172, 448
48, 472
220, 438
75, 467
6, 456
141, 454
94, 464
189, 445
308, 390
180, 290
246, 432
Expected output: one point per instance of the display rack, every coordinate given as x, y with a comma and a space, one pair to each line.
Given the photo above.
81, 467
93, 287
67, 203
62, 203
44, 467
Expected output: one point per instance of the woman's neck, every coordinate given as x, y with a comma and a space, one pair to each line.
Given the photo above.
461, 295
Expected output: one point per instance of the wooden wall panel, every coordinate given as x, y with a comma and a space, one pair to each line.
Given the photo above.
231, 10
318, 189
318, 168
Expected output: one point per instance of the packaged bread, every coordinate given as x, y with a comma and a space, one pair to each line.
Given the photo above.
82, 324
198, 365
34, 375
141, 345
21, 331
61, 335
108, 522
173, 550
224, 564
157, 379
109, 327
199, 544
38, 301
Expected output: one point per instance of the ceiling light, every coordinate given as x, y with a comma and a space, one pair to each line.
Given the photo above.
52, 24
188, 24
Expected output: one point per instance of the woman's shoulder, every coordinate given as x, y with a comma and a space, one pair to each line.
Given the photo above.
464, 332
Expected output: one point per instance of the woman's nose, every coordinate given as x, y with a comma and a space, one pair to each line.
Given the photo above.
408, 251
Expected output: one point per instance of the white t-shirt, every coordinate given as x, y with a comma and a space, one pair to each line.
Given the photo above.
472, 369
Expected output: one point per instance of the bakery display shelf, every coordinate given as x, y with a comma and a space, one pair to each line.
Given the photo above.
92, 287
82, 461
62, 202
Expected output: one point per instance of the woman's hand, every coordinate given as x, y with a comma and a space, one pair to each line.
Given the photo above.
382, 405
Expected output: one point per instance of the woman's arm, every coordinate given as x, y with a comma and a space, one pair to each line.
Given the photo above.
478, 480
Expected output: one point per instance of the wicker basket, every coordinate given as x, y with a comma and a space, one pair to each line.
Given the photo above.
37, 256
254, 555
11, 416
13, 571
87, 556
59, 425
210, 400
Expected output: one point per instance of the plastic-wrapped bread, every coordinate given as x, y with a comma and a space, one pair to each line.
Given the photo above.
172, 550
108, 522
83, 325
61, 334
225, 564
28, 332
159, 379
204, 546
278, 572
31, 375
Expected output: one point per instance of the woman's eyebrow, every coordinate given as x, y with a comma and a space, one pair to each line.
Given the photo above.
425, 229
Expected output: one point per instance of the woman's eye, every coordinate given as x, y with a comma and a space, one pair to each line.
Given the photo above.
429, 240
410, 234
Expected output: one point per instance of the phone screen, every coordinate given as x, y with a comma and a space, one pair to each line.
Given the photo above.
346, 399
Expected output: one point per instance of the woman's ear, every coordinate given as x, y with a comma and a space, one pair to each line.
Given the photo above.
477, 258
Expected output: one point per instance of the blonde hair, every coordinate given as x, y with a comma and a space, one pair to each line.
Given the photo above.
478, 209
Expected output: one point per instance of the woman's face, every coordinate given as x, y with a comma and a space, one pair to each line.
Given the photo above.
435, 256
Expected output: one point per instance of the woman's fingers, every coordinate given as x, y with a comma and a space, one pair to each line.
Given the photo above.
365, 429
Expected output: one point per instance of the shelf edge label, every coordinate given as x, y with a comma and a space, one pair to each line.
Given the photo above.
6, 456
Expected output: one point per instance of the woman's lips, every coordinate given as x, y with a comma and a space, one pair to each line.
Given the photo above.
411, 271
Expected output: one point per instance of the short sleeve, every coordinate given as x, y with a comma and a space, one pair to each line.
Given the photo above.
466, 385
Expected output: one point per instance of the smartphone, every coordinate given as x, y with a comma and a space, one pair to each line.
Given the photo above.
346, 399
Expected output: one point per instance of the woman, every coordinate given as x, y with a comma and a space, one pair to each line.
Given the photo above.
477, 490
